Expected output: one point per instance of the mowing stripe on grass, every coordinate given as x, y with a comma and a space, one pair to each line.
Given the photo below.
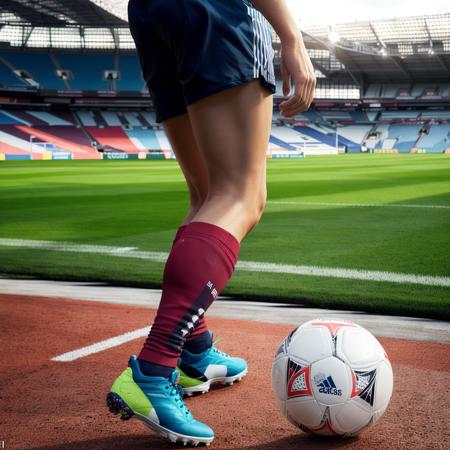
358, 205
102, 345
251, 266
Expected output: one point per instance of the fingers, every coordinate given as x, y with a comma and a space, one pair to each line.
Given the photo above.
302, 98
286, 77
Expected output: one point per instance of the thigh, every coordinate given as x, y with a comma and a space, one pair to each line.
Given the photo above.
232, 130
191, 160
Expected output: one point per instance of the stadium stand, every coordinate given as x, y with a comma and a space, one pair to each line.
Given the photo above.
404, 136
130, 74
113, 138
135, 131
73, 87
87, 69
438, 137
144, 139
354, 136
36, 132
7, 77
38, 65
399, 115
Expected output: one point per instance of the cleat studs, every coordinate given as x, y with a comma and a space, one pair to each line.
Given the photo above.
117, 406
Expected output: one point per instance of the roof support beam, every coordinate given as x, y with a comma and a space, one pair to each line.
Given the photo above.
399, 63
443, 63
377, 37
26, 35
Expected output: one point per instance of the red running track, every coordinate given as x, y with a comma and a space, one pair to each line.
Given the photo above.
55, 405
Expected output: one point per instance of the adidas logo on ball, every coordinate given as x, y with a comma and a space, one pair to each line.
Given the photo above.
326, 385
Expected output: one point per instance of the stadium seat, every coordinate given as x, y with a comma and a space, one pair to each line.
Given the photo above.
144, 139
113, 138
130, 74
437, 140
38, 65
353, 136
7, 77
87, 69
405, 136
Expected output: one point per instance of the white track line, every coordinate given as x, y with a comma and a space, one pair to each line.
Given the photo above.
358, 205
102, 345
251, 266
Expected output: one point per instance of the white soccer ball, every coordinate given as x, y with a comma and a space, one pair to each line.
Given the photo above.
332, 377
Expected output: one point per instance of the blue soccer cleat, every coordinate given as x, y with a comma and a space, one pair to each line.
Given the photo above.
199, 371
158, 403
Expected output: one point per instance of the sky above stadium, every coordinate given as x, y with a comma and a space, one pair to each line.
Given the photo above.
321, 12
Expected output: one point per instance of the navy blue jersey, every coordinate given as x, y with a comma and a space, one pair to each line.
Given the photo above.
190, 49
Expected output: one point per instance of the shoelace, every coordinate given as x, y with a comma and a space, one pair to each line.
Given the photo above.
216, 350
175, 390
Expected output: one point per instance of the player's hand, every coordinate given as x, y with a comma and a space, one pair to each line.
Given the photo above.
296, 67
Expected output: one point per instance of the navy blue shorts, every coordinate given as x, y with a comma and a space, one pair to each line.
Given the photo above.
190, 49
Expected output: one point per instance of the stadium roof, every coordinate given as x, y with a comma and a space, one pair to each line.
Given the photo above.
409, 49
57, 13
398, 35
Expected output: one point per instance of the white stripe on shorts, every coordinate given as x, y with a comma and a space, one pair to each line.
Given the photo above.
262, 45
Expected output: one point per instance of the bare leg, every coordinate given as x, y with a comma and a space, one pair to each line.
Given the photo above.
232, 130
191, 160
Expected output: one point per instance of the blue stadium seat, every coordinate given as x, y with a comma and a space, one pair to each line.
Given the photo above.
7, 77
130, 74
276, 141
146, 137
38, 65
438, 139
87, 69
406, 135
7, 119
321, 137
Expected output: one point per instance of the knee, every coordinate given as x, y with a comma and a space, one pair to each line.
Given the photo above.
260, 203
197, 197
254, 208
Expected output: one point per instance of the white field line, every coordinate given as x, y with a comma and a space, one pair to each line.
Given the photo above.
251, 266
358, 205
102, 345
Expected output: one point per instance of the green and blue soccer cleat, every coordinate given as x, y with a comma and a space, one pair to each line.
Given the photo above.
158, 403
199, 371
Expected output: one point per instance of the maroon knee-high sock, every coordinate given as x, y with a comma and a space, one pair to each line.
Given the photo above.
201, 327
179, 233
198, 268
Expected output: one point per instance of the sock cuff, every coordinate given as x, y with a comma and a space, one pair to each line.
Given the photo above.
180, 231
220, 234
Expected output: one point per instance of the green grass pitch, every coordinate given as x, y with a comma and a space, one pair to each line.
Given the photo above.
312, 218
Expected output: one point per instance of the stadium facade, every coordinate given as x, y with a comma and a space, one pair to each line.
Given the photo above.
71, 87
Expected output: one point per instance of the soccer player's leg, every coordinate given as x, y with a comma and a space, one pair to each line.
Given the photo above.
232, 130
193, 165
147, 389
224, 126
